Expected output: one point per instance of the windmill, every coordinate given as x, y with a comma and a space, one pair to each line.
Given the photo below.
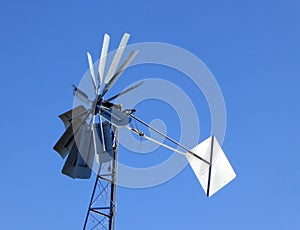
91, 138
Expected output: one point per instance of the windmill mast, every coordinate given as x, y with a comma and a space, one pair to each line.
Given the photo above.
102, 207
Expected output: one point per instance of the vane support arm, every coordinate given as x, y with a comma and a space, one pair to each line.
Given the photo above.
141, 134
168, 138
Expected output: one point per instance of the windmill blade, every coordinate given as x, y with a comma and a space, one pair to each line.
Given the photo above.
117, 57
70, 164
93, 130
65, 142
78, 93
215, 176
103, 57
101, 134
95, 143
72, 114
114, 78
85, 146
80, 159
104, 141
92, 71
126, 91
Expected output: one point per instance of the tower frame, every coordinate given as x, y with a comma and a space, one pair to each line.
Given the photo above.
101, 212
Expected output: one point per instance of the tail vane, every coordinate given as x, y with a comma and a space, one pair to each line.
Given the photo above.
219, 173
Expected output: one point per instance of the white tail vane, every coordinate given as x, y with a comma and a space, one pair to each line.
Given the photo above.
215, 176
92, 71
103, 56
117, 57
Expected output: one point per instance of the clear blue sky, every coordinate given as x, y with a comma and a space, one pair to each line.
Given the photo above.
253, 50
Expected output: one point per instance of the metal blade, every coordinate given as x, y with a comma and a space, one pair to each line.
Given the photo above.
84, 142
117, 57
103, 57
69, 168
102, 135
65, 142
126, 91
72, 114
92, 71
120, 71
106, 152
92, 125
80, 159
95, 144
80, 95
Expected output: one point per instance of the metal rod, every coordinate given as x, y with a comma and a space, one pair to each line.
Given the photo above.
103, 178
210, 166
141, 134
100, 213
96, 208
79, 115
170, 139
125, 91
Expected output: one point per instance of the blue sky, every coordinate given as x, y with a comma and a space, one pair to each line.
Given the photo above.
253, 50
